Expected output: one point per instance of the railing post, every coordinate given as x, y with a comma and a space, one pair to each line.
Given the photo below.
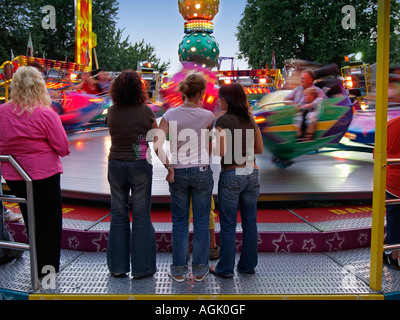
32, 235
31, 220
378, 206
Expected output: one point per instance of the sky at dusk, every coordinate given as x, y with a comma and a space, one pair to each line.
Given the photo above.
160, 24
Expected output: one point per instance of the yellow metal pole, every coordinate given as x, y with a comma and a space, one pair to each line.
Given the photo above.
382, 83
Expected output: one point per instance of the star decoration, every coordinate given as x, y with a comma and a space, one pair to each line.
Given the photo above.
164, 243
335, 244
309, 245
101, 242
239, 243
363, 238
282, 245
73, 243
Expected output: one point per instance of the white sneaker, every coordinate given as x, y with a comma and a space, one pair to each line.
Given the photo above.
10, 216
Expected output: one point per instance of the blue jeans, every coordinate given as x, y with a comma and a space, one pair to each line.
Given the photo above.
393, 222
198, 183
238, 189
139, 245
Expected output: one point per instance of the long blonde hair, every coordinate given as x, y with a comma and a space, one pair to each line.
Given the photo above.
29, 90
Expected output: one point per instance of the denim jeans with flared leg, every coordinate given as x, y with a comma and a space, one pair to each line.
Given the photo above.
126, 247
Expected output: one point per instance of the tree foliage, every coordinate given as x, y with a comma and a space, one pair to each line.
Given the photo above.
113, 52
310, 30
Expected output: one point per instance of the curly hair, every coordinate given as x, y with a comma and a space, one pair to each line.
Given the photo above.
29, 90
128, 89
192, 85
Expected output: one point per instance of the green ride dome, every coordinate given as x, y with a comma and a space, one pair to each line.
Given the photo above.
199, 48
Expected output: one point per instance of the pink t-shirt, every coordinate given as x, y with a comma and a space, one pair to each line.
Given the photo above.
35, 141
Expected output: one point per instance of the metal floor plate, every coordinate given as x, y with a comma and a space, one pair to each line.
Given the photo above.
341, 273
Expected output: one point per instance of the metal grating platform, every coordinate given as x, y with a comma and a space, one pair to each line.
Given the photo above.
339, 273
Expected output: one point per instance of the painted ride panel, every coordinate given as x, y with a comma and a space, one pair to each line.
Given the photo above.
362, 128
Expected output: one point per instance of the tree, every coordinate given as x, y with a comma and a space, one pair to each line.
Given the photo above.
309, 30
12, 35
113, 53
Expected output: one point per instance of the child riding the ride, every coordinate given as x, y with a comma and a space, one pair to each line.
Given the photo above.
306, 118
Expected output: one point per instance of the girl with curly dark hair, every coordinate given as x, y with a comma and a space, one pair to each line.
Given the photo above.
129, 120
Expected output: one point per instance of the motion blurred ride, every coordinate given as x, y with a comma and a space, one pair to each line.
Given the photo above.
358, 83
275, 119
75, 109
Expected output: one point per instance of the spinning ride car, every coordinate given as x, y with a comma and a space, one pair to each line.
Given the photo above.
362, 128
280, 133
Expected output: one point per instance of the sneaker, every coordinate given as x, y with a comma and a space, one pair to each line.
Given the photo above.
393, 263
177, 278
214, 253
200, 278
10, 216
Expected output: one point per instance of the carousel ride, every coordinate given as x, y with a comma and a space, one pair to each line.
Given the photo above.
198, 53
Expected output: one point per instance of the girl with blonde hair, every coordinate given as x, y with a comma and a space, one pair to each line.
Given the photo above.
33, 134
189, 176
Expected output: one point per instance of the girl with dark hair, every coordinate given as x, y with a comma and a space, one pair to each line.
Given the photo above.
238, 140
129, 120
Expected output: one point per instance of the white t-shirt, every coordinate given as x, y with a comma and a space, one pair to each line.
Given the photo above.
189, 136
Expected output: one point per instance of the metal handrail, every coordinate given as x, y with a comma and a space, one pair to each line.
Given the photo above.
393, 161
31, 221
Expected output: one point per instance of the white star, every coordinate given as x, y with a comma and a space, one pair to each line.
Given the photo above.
309, 245
363, 238
282, 244
335, 243
73, 243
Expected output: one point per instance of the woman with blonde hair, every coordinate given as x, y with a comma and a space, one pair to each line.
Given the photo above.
189, 176
33, 134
